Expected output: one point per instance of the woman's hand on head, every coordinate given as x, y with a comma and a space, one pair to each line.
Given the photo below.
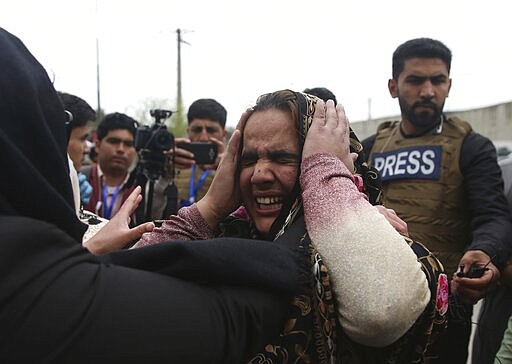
116, 234
223, 196
329, 133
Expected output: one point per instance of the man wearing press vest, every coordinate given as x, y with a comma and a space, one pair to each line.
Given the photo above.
443, 179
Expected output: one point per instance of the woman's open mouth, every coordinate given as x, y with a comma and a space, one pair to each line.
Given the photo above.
269, 203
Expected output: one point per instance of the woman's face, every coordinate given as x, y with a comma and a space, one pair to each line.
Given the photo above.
269, 165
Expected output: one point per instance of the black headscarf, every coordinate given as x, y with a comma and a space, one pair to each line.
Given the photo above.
33, 142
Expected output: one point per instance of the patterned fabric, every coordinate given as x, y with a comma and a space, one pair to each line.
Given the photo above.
371, 181
309, 334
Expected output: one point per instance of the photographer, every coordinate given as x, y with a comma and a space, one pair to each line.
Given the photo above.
206, 128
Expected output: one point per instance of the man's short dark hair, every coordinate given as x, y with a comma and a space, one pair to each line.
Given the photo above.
322, 93
82, 112
207, 109
420, 48
116, 121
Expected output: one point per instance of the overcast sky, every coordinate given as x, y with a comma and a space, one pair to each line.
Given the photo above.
240, 49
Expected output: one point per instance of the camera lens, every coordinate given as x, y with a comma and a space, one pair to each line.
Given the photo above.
162, 140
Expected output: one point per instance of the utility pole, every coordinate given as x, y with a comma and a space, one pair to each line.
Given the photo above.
179, 117
179, 99
98, 110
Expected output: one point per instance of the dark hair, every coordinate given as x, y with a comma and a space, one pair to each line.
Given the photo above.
82, 112
207, 109
116, 121
284, 100
420, 48
322, 93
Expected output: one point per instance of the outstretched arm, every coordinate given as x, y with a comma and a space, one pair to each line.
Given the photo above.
116, 234
490, 218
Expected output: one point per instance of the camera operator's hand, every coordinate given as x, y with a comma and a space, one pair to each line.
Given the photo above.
223, 196
116, 234
183, 159
220, 154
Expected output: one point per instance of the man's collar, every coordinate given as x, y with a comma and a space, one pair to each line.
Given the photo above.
434, 130
101, 174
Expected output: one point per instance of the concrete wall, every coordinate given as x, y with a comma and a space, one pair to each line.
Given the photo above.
495, 122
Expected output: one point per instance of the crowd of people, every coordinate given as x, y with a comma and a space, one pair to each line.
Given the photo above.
298, 243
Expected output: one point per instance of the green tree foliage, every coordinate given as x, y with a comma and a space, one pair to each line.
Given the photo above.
176, 124
141, 113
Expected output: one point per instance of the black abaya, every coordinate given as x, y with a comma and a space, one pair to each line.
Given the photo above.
60, 305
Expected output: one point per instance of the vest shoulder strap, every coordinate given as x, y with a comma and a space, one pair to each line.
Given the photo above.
463, 126
386, 125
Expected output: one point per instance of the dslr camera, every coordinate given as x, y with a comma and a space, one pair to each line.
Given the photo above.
151, 142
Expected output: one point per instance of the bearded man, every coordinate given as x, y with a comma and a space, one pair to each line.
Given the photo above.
443, 179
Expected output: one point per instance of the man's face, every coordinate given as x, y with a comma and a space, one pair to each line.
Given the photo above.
269, 165
77, 144
201, 130
421, 88
116, 152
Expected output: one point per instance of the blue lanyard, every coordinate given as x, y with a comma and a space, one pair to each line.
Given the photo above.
192, 188
107, 208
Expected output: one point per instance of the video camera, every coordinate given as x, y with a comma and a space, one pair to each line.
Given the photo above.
151, 142
155, 137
